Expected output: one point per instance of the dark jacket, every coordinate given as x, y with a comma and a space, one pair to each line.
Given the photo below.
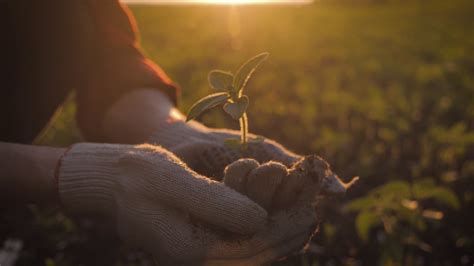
52, 47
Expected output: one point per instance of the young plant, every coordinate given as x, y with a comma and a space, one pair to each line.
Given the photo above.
231, 96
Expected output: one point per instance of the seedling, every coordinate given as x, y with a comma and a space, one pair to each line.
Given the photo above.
231, 97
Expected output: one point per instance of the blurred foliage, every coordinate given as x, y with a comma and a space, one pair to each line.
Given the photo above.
381, 89
396, 207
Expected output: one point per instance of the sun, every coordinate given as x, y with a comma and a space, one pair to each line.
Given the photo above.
251, 1
217, 2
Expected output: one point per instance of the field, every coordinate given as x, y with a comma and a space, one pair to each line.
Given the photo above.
382, 90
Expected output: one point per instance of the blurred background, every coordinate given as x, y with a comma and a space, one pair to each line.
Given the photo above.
380, 89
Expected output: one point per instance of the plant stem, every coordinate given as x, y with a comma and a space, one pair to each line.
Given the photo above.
243, 130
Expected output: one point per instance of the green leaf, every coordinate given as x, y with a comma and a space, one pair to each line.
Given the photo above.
364, 222
396, 189
206, 103
426, 189
360, 204
220, 80
232, 143
245, 71
237, 109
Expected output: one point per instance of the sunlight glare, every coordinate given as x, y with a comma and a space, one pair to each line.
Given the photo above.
217, 2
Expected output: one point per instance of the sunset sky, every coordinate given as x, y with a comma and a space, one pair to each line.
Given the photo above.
233, 2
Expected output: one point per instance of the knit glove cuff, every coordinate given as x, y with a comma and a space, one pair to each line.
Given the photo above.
87, 178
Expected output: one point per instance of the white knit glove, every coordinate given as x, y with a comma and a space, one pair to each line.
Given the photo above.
171, 211
203, 148
290, 196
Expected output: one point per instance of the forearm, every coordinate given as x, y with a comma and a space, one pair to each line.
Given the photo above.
27, 173
137, 115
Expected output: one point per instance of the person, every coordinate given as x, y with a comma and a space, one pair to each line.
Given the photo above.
142, 165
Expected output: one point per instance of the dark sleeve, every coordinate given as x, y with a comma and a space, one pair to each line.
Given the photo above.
117, 66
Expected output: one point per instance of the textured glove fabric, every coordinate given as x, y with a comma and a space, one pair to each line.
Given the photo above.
203, 149
94, 176
284, 192
87, 178
172, 212
186, 243
171, 182
276, 187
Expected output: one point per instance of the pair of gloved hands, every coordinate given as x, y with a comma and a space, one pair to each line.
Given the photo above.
168, 199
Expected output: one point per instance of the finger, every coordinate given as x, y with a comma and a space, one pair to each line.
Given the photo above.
164, 232
236, 173
161, 176
171, 237
287, 232
289, 190
263, 182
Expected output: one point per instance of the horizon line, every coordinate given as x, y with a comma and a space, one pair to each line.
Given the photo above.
218, 2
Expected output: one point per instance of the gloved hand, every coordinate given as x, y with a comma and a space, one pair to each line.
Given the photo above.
169, 210
288, 194
277, 187
203, 148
